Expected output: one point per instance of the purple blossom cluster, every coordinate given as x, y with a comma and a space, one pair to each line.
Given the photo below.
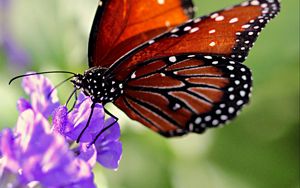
43, 153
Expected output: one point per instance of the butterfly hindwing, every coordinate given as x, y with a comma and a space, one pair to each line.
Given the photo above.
175, 95
121, 25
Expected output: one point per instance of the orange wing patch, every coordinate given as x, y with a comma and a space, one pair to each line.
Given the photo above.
121, 25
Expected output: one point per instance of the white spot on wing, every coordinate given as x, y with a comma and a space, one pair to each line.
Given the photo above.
231, 110
198, 120
151, 41
133, 75
175, 30
233, 20
207, 57
212, 31
187, 28
194, 29
246, 26
161, 2
213, 16
172, 59
219, 18
255, 3
197, 20
212, 44
176, 106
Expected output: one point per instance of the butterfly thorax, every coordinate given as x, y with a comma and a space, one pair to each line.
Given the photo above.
98, 86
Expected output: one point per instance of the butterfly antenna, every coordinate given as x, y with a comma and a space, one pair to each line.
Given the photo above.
38, 73
59, 84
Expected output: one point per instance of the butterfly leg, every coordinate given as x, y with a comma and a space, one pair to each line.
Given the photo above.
73, 92
106, 128
76, 97
88, 122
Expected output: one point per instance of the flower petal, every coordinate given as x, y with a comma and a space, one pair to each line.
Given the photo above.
109, 155
10, 151
111, 134
80, 99
46, 156
23, 105
58, 164
43, 98
29, 127
88, 154
87, 181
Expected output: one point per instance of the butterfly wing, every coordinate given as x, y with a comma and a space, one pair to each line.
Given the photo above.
191, 77
230, 32
121, 25
185, 93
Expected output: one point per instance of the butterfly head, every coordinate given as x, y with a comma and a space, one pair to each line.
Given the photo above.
100, 88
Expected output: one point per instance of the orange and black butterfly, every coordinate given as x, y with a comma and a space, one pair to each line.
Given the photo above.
171, 72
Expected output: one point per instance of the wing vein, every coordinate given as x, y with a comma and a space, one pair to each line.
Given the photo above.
156, 111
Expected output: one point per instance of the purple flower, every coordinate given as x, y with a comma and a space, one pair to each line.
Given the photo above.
108, 146
36, 154
35, 151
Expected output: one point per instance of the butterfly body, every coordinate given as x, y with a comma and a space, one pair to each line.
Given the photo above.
101, 88
172, 73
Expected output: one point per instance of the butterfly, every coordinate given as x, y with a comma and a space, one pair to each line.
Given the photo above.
169, 71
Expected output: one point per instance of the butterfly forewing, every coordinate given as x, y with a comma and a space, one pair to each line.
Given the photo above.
121, 25
229, 32
185, 93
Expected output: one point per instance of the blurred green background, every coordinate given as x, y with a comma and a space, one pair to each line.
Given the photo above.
259, 149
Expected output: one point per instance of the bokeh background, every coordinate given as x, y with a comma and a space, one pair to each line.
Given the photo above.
259, 149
